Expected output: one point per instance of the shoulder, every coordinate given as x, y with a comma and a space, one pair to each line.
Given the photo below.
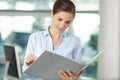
73, 39
37, 34
72, 36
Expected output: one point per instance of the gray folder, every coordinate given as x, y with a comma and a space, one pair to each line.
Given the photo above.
48, 64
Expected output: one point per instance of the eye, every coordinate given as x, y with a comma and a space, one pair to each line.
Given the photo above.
67, 22
60, 19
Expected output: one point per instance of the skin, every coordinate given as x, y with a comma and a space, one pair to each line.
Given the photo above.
68, 75
30, 58
60, 22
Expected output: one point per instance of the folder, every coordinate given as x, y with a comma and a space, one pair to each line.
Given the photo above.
48, 64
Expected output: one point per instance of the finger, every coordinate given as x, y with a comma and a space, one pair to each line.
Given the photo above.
62, 74
28, 62
78, 75
30, 58
69, 73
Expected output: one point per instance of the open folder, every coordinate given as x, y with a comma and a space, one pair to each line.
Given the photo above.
48, 64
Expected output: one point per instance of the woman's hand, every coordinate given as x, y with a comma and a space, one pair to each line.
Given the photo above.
68, 75
30, 58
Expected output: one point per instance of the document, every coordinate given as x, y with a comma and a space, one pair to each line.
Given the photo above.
48, 64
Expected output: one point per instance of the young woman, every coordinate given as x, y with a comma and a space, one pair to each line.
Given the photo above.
56, 39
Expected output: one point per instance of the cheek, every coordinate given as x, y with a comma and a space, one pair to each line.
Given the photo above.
67, 25
55, 21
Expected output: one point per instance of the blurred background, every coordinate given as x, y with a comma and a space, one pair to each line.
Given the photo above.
20, 18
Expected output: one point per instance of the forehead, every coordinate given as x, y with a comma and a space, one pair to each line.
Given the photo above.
64, 15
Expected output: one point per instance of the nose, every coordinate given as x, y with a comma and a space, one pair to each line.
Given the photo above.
62, 24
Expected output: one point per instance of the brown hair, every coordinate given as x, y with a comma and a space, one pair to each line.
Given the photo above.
64, 5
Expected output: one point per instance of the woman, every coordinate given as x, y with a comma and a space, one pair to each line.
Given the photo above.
56, 39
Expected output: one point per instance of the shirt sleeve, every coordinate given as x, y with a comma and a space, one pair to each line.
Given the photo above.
77, 54
77, 51
29, 50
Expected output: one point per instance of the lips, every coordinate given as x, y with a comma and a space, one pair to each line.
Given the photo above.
60, 28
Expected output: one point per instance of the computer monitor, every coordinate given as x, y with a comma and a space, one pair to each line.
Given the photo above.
12, 66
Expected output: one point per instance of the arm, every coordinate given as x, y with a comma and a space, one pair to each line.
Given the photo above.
29, 56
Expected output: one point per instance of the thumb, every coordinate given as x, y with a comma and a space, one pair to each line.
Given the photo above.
78, 74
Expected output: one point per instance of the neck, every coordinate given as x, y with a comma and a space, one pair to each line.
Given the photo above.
54, 34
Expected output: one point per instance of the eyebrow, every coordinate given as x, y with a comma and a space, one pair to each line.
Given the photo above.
65, 21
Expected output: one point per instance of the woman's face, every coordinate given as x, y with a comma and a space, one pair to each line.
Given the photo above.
61, 21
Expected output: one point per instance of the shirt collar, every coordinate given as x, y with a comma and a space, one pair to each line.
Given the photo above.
48, 34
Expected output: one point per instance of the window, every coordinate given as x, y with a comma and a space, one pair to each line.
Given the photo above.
18, 21
85, 25
45, 5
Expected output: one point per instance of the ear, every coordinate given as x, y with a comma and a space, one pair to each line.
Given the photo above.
51, 14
